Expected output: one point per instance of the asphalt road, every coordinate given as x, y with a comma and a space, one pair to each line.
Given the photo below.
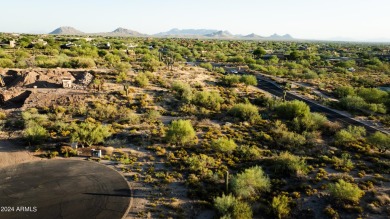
331, 115
62, 189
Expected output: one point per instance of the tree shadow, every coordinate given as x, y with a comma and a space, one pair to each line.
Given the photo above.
117, 193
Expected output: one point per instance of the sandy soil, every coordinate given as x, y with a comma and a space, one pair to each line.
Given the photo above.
11, 154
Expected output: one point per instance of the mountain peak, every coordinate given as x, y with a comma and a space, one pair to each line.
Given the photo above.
124, 32
66, 30
220, 34
282, 37
253, 35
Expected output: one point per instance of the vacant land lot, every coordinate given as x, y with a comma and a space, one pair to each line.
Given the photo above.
194, 132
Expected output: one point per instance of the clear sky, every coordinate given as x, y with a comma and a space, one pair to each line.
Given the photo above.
306, 19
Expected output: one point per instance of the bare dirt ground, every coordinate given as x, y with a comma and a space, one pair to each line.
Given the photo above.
11, 154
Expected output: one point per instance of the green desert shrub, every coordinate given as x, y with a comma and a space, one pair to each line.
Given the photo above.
35, 133
225, 203
345, 191
181, 132
372, 95
353, 103
90, 133
230, 80
285, 138
250, 183
207, 66
242, 210
310, 122
245, 112
2, 115
344, 91
141, 80
208, 99
291, 109
246, 152
345, 163
201, 164
6, 63
380, 141
249, 80
224, 145
351, 134
280, 206
182, 91
229, 206
82, 62
287, 163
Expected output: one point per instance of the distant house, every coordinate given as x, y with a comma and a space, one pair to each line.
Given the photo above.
132, 46
105, 46
67, 45
39, 41
67, 83
352, 69
10, 44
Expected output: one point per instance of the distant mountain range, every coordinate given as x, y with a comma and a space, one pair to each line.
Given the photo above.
177, 33
186, 32
117, 32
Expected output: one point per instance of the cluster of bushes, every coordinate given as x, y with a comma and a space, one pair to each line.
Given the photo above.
229, 206
234, 80
210, 100
245, 112
89, 132
287, 163
362, 99
34, 122
248, 185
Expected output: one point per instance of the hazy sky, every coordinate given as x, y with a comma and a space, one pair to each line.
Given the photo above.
306, 19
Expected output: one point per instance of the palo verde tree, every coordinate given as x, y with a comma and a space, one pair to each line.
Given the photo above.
343, 191
181, 132
250, 183
380, 141
259, 52
292, 109
245, 112
90, 132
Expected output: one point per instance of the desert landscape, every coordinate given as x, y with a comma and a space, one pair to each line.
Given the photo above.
209, 127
